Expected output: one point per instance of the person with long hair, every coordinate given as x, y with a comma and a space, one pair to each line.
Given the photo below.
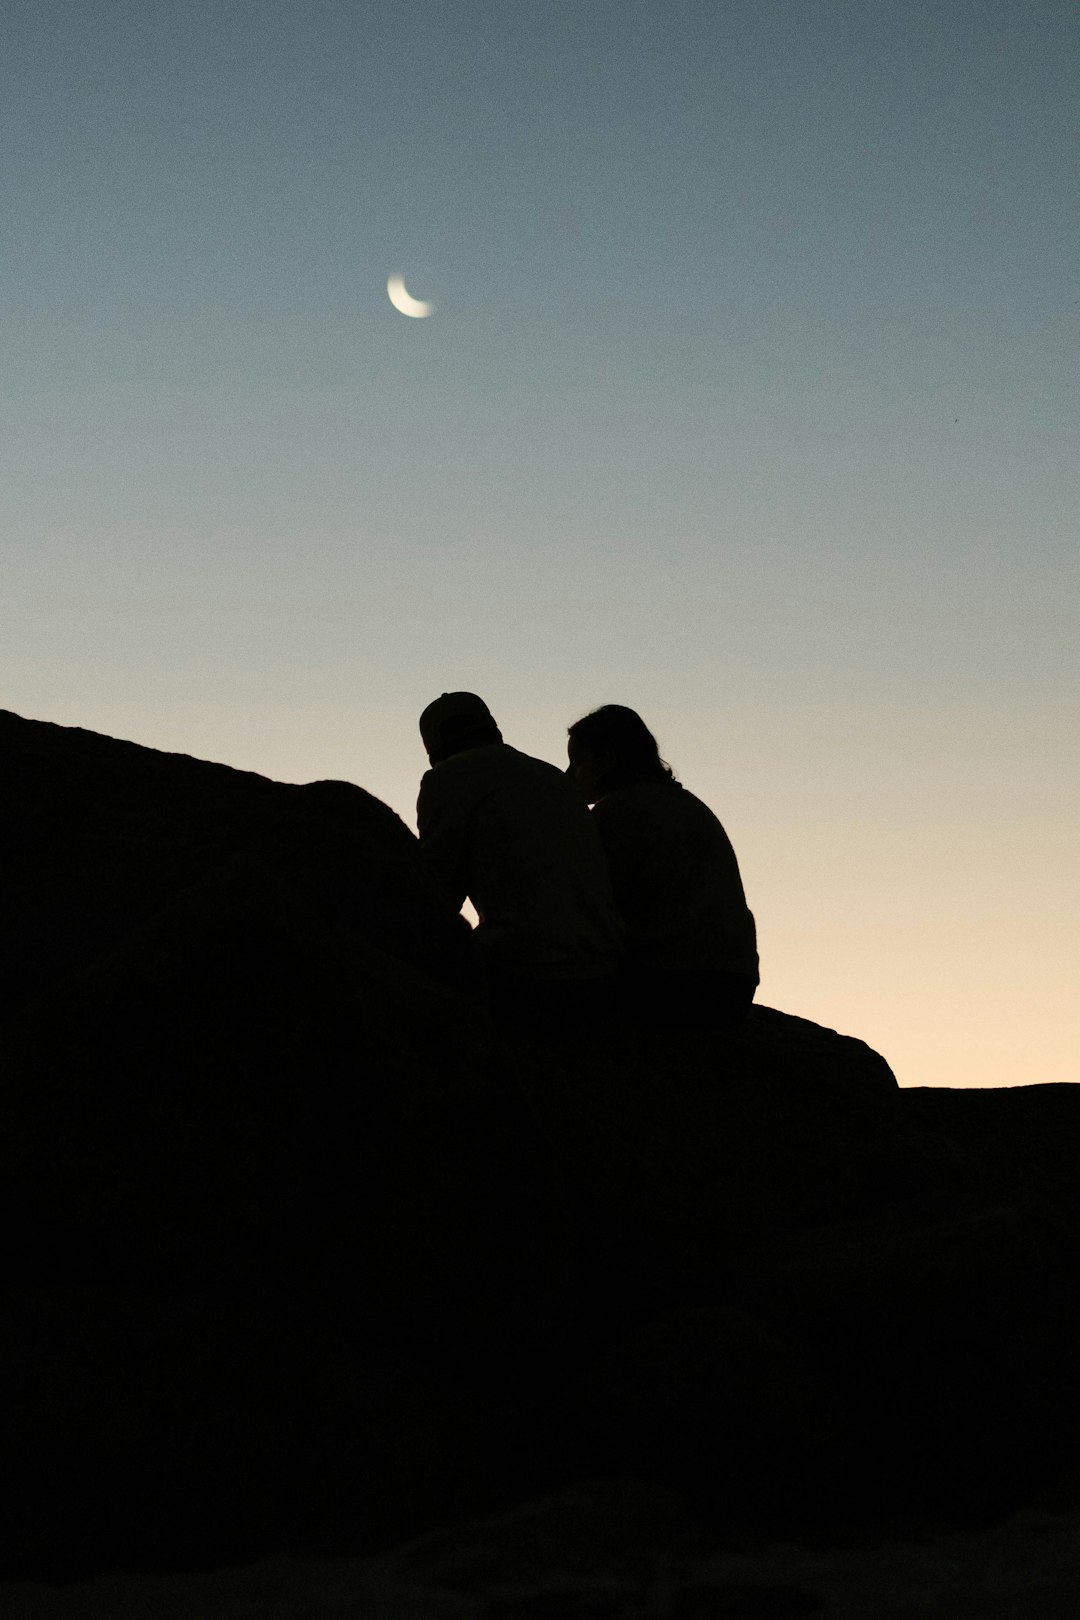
691, 942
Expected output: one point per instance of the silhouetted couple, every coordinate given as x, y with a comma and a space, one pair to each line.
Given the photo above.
636, 909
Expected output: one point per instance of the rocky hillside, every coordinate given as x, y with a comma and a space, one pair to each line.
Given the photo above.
305, 1254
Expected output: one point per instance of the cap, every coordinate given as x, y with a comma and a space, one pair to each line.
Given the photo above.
456, 720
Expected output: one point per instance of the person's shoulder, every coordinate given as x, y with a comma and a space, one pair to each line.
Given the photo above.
695, 812
529, 764
689, 802
462, 775
545, 784
655, 804
639, 798
470, 762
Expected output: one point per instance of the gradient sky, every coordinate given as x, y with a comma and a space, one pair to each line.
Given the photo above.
751, 400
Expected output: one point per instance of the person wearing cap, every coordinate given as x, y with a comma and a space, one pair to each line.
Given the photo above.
514, 836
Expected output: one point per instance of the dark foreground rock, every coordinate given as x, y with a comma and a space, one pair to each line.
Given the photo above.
612, 1549
302, 1252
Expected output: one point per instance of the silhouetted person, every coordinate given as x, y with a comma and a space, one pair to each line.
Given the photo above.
512, 834
691, 945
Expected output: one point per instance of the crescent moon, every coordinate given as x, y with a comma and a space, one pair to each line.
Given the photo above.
401, 300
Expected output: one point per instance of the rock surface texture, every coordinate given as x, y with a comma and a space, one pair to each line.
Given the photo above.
306, 1255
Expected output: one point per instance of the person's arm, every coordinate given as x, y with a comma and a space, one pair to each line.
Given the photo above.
443, 845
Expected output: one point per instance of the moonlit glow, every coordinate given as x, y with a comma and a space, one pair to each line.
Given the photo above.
403, 301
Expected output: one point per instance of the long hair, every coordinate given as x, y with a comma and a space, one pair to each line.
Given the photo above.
622, 733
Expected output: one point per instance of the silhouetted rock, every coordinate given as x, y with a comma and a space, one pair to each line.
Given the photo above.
99, 834
716, 1406
613, 1548
303, 1250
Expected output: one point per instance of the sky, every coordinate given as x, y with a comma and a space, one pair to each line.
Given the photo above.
751, 399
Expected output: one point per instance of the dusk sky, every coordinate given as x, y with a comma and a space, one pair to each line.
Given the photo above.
751, 399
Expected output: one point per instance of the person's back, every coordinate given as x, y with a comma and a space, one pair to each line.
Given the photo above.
691, 942
676, 881
513, 835
508, 831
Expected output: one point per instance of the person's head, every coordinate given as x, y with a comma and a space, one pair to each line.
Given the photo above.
455, 722
612, 748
